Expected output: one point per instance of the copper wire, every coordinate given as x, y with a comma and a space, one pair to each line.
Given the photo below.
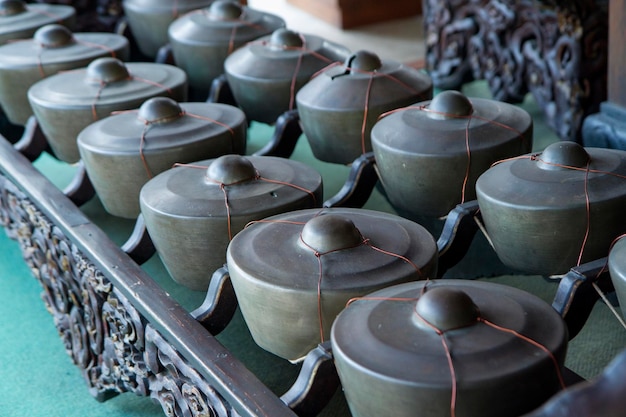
588, 214
257, 177
363, 242
467, 135
532, 342
368, 92
446, 346
587, 170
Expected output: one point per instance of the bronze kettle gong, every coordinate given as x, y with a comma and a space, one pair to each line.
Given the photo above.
66, 103
265, 75
19, 20
125, 150
546, 213
201, 40
53, 48
149, 20
402, 351
192, 212
339, 107
293, 273
430, 154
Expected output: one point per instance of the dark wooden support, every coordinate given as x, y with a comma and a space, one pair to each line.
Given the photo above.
220, 303
287, 131
576, 294
80, 190
165, 55
220, 91
317, 382
33, 141
359, 185
458, 232
139, 245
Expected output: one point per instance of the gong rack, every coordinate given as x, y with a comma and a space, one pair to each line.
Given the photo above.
126, 334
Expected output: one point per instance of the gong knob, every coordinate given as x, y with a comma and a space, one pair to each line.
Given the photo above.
160, 110
285, 38
12, 7
225, 10
107, 70
449, 105
53, 36
330, 232
446, 308
231, 169
563, 155
364, 61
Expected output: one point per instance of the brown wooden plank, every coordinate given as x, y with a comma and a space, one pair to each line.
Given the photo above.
347, 14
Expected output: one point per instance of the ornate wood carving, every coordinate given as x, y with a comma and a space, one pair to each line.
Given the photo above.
555, 50
111, 343
93, 16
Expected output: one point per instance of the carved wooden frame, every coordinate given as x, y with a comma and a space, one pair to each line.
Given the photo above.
119, 327
556, 50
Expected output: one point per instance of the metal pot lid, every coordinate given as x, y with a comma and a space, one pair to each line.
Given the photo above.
556, 178
223, 22
252, 184
162, 123
396, 333
56, 44
441, 125
345, 87
277, 56
17, 17
357, 248
106, 81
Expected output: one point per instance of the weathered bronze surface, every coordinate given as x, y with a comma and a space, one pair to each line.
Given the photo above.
339, 107
266, 74
123, 151
149, 20
390, 350
430, 154
201, 40
282, 268
19, 20
549, 212
192, 212
66, 103
52, 49
617, 269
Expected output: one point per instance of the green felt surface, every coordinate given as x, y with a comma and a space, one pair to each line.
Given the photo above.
39, 379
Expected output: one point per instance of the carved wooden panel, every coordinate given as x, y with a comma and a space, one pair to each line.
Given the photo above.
555, 50
115, 348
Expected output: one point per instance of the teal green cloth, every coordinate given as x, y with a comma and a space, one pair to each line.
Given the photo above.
39, 379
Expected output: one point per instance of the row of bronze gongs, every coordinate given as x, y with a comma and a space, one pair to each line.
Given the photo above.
511, 131
559, 161
401, 188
